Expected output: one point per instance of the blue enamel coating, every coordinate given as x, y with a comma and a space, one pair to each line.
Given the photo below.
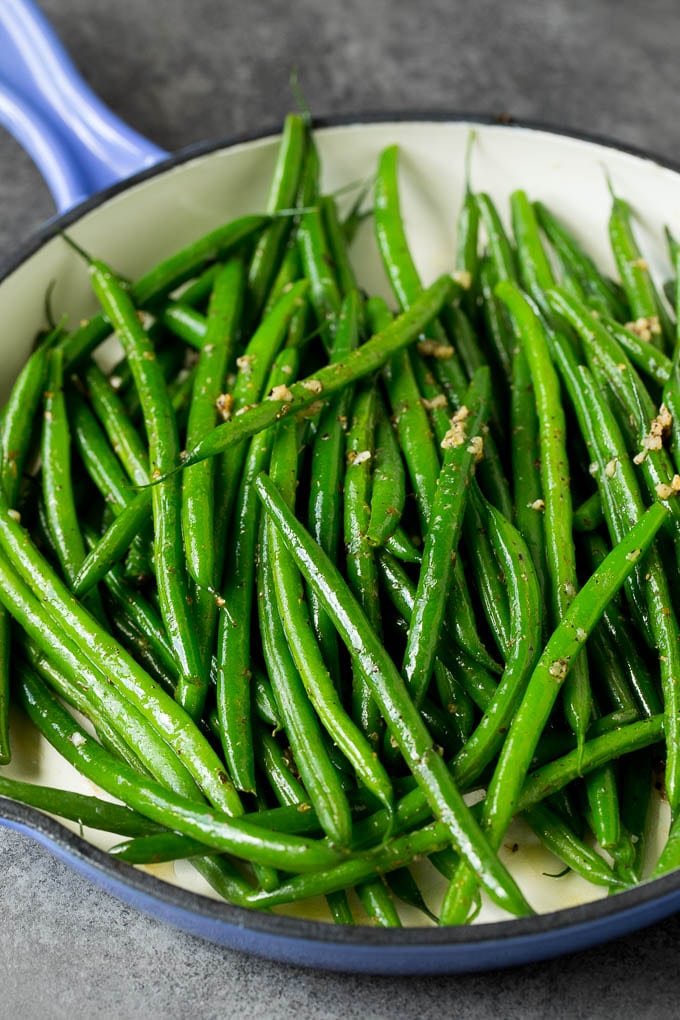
361, 949
78, 144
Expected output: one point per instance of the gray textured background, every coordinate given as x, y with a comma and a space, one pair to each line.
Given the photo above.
180, 71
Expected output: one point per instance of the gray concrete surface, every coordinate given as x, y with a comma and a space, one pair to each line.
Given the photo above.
180, 71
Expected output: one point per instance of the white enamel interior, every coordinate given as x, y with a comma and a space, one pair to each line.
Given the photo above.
136, 228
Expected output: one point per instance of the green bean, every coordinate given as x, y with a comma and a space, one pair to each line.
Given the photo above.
377, 902
223, 877
401, 717
56, 663
129, 602
285, 787
198, 509
254, 366
623, 645
547, 779
535, 271
388, 492
327, 380
216, 830
501, 264
544, 685
338, 244
454, 702
467, 241
577, 855
610, 364
164, 714
498, 332
461, 450
390, 232
397, 259
500, 248
161, 431
645, 356
173, 846
478, 684
184, 322
317, 264
623, 505
489, 582
559, 546
326, 474
459, 610
671, 390
602, 792
588, 516
612, 680
360, 564
99, 460
5, 684
339, 907
412, 809
57, 656
164, 277
356, 215
234, 654
525, 457
113, 418
393, 855
282, 194
301, 724
462, 336
403, 885
55, 452
641, 293
114, 543
402, 547
555, 742
92, 812
196, 291
524, 640
19, 416
600, 292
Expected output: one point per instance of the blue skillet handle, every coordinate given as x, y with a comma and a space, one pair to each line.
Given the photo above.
77, 143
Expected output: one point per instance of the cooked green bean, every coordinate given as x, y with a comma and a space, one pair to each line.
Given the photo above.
645, 302
555, 477
161, 429
93, 812
623, 505
327, 380
360, 562
544, 685
198, 482
234, 653
461, 450
302, 727
282, 194
216, 830
397, 709
600, 292
164, 714
164, 277
326, 474
396, 621
388, 493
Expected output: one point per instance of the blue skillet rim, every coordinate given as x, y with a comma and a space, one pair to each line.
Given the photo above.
315, 943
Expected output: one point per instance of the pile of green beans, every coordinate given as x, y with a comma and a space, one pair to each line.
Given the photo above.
321, 573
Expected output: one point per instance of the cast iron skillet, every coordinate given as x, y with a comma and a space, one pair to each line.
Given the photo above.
110, 185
